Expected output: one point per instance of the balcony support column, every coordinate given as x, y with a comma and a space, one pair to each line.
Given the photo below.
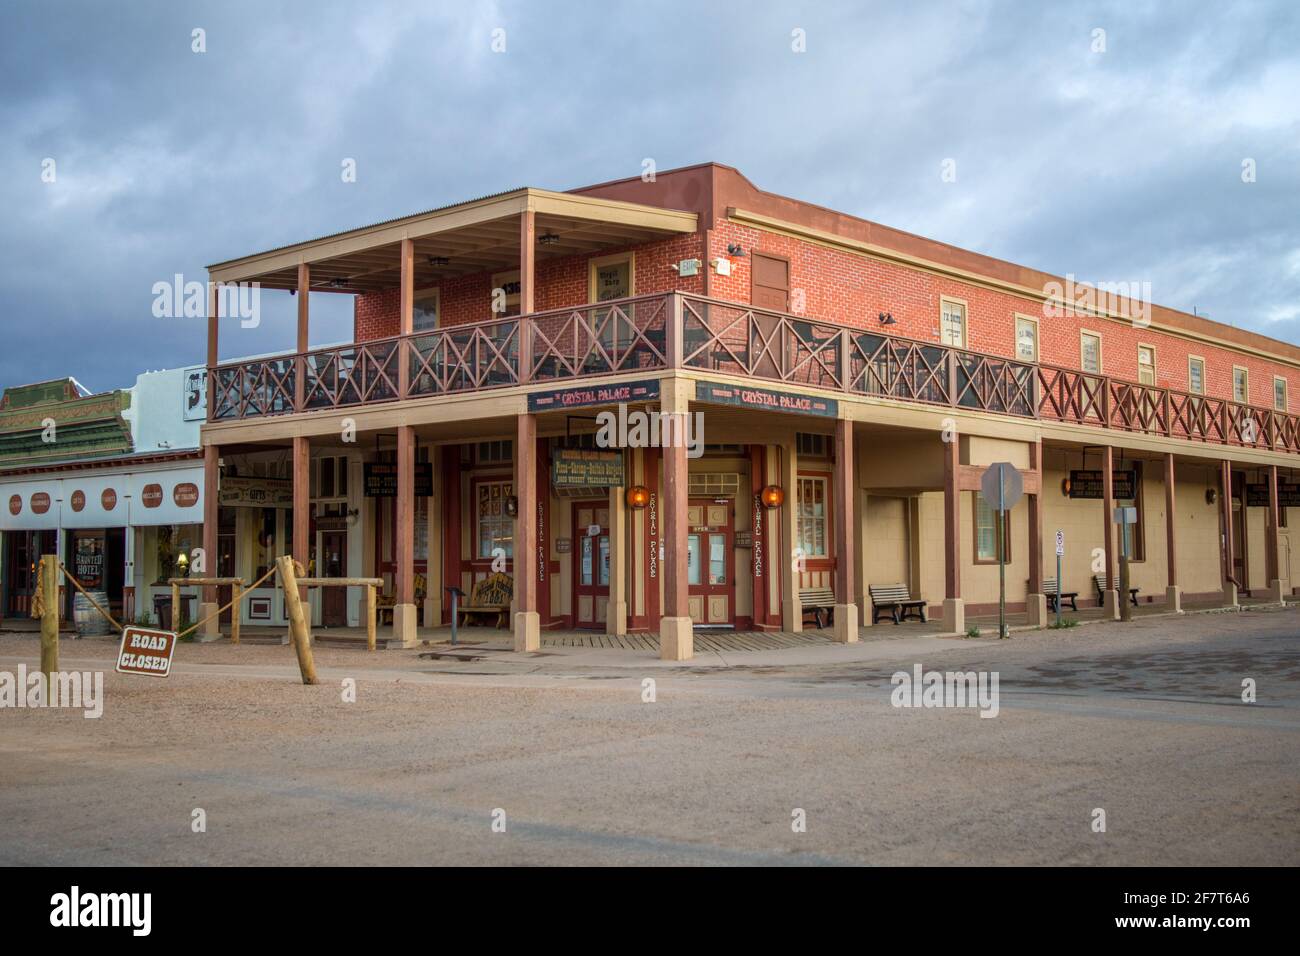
1110, 597
1036, 600
676, 637
527, 621
527, 290
301, 516
211, 498
1173, 593
404, 611
406, 314
791, 567
954, 609
1272, 540
1230, 584
845, 613
300, 361
212, 351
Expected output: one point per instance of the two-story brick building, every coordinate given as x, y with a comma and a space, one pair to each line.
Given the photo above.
851, 382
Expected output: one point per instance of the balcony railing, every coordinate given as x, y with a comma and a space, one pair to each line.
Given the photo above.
676, 330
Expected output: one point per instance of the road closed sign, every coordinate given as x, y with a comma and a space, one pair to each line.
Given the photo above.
146, 651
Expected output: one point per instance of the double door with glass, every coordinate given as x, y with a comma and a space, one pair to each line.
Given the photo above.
591, 563
710, 562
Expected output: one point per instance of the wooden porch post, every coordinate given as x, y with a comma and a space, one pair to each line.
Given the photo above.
1173, 593
451, 545
527, 260
404, 612
954, 609
213, 351
1230, 584
676, 637
211, 499
300, 362
527, 621
845, 613
406, 314
1272, 539
1036, 600
1110, 599
301, 515
791, 579
616, 609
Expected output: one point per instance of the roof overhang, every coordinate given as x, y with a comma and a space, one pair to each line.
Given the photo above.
474, 237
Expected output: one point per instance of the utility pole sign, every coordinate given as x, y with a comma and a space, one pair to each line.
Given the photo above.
1001, 486
1060, 552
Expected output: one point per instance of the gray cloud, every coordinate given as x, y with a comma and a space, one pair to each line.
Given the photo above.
1119, 165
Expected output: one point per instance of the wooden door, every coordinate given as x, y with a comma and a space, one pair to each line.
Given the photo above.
590, 563
710, 562
334, 564
770, 282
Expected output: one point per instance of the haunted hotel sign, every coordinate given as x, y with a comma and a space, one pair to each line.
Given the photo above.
593, 395
1087, 483
766, 399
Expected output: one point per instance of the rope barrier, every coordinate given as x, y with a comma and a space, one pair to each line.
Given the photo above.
229, 604
93, 603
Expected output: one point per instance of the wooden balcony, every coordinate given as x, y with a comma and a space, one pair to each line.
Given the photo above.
655, 333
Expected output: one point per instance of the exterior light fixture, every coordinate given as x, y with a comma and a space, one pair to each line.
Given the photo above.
637, 497
773, 496
1211, 495
338, 283
512, 506
548, 239
886, 318
1065, 487
735, 249
439, 261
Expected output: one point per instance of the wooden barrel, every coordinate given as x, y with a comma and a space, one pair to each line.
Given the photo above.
90, 623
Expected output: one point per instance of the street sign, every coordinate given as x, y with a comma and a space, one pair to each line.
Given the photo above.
1060, 542
146, 651
1002, 486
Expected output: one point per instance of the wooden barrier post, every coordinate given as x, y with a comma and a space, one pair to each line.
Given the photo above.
176, 608
297, 621
49, 616
237, 593
372, 612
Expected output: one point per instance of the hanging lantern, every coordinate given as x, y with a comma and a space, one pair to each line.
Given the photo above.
1065, 487
773, 496
637, 497
512, 506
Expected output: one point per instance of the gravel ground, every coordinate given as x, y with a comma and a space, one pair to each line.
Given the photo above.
1144, 721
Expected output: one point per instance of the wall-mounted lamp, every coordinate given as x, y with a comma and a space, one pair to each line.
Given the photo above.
773, 496
637, 497
886, 318
1211, 495
352, 515
735, 249
512, 506
1065, 487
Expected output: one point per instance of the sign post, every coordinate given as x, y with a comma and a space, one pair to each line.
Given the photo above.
1125, 518
1060, 550
1002, 487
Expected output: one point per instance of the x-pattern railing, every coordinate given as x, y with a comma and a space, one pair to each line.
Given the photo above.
656, 332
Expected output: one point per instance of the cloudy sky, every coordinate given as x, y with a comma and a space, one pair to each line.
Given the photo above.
1119, 165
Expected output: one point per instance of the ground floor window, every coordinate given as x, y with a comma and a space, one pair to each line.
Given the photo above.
986, 533
1137, 539
495, 526
812, 517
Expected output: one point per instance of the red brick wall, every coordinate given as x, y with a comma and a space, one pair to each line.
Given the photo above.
843, 287
561, 283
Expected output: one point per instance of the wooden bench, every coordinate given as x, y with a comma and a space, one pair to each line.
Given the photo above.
1102, 588
491, 596
819, 602
1049, 589
897, 601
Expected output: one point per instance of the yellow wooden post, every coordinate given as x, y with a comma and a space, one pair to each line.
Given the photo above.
49, 616
297, 621
371, 613
176, 607
237, 593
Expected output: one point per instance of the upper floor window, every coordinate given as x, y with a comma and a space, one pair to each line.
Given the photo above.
611, 277
426, 310
1196, 375
1240, 385
1279, 393
1090, 352
952, 323
1146, 365
811, 533
1026, 339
